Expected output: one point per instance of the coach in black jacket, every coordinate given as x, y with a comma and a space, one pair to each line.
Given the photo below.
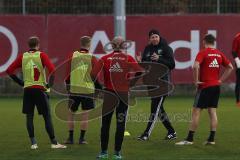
158, 51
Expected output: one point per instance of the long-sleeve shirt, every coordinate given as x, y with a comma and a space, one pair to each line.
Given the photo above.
165, 53
236, 46
116, 67
17, 64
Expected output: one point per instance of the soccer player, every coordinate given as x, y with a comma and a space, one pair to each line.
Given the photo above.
80, 86
116, 67
158, 51
236, 55
206, 71
33, 64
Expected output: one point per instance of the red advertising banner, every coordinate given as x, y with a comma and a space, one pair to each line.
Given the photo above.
60, 35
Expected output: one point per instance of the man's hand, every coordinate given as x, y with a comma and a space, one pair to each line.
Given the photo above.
47, 86
198, 83
154, 57
237, 61
138, 57
68, 88
220, 81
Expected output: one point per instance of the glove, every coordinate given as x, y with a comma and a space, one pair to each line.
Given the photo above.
68, 87
47, 85
237, 61
17, 80
98, 85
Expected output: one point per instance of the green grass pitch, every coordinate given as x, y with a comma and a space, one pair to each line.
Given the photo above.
15, 144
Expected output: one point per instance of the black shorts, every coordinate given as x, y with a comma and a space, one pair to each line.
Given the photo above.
35, 97
207, 97
86, 101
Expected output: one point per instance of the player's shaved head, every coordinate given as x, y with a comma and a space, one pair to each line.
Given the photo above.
116, 43
117, 39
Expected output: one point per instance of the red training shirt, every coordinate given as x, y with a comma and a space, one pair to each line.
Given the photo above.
210, 60
116, 67
236, 44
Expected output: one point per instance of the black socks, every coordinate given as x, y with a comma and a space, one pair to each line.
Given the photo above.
82, 134
190, 136
211, 136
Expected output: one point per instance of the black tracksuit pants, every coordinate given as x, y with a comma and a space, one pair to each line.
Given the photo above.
237, 87
121, 114
157, 111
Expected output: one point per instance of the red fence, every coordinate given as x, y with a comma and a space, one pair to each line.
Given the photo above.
60, 35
